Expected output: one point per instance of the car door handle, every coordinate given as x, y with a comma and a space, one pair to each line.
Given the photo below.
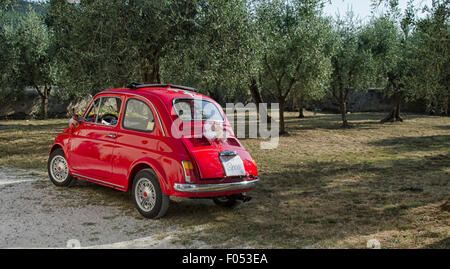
112, 135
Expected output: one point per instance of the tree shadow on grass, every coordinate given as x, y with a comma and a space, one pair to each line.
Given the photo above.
329, 201
307, 204
322, 121
443, 244
445, 127
10, 128
332, 121
416, 143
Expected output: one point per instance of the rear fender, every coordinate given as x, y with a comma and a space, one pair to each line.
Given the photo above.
144, 163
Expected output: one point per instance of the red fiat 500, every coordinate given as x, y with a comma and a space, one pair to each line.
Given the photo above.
158, 141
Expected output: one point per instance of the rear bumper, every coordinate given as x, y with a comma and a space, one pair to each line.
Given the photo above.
222, 187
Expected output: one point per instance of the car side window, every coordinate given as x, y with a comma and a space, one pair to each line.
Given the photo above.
92, 114
104, 110
138, 116
109, 111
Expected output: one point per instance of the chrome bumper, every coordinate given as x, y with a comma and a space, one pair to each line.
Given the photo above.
242, 185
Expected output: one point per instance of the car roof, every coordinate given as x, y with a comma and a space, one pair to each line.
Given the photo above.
166, 93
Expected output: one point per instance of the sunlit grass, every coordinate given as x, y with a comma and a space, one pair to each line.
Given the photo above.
322, 187
26, 143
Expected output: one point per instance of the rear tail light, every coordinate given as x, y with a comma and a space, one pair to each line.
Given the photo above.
189, 171
200, 142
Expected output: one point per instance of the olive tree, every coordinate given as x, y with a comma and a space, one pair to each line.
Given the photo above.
28, 57
215, 55
428, 74
293, 38
222, 55
389, 37
111, 43
352, 63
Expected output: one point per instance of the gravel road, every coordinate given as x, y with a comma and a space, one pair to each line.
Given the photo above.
36, 214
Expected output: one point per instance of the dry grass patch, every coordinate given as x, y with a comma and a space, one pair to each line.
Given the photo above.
327, 187
26, 143
323, 187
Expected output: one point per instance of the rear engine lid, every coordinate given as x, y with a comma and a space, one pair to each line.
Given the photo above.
219, 155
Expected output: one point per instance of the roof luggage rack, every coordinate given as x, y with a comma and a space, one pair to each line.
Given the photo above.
135, 85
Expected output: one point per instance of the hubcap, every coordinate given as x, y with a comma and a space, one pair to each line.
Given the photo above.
145, 194
59, 169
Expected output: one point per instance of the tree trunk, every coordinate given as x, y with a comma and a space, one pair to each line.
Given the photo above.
282, 125
300, 107
428, 108
343, 108
44, 95
44, 108
151, 74
394, 115
256, 96
254, 91
446, 103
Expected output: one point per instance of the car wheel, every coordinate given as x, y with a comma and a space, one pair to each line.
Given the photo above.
58, 169
148, 196
226, 201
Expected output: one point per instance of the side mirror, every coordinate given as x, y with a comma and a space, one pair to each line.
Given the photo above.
75, 121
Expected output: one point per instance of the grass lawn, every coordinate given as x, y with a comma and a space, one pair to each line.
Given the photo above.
323, 187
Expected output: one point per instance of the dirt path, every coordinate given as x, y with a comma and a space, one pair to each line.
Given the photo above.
36, 214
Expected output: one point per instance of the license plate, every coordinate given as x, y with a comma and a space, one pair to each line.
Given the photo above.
233, 166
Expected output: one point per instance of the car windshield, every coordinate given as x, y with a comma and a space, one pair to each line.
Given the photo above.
197, 109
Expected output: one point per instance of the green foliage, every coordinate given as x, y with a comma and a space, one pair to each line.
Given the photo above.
111, 43
27, 53
412, 54
353, 65
353, 62
382, 36
294, 39
274, 49
388, 37
27, 57
428, 74
217, 55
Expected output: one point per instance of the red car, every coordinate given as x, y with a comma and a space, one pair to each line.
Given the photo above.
141, 138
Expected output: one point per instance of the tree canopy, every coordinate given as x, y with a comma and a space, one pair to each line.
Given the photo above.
234, 51
28, 57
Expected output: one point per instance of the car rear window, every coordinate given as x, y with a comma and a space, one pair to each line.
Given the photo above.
196, 110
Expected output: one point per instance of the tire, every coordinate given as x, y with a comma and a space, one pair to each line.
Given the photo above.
226, 201
148, 196
58, 169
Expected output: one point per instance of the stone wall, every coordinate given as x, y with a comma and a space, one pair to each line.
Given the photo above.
371, 100
29, 104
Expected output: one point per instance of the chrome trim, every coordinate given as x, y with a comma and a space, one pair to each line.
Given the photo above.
154, 108
242, 185
229, 153
97, 180
187, 92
